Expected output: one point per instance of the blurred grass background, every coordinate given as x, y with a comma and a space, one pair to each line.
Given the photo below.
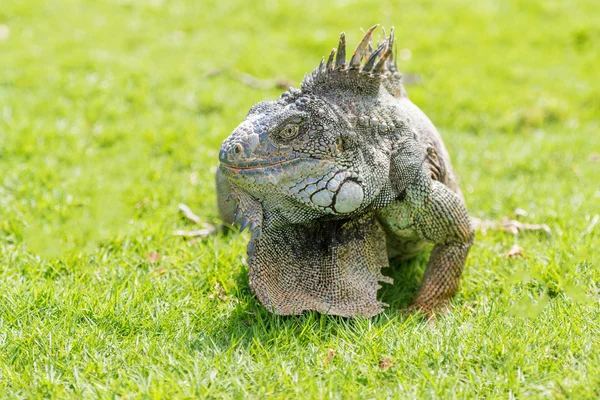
112, 113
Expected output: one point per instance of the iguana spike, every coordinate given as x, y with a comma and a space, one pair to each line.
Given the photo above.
320, 69
391, 64
369, 45
340, 59
373, 58
383, 63
359, 53
383, 36
381, 66
369, 64
329, 65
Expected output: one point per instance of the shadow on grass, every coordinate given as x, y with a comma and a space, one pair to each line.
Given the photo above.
407, 276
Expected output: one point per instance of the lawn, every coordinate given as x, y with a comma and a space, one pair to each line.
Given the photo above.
112, 113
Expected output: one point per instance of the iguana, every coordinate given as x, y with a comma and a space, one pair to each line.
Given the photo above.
335, 179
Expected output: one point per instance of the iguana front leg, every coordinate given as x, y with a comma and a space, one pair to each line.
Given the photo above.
434, 213
444, 221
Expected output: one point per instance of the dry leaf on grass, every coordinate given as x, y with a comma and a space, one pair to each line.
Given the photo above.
218, 292
519, 212
386, 363
142, 203
153, 257
330, 354
515, 251
284, 83
507, 225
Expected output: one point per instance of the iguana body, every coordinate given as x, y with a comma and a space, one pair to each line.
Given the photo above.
337, 178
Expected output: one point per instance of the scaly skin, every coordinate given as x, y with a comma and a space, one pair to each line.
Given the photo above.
336, 178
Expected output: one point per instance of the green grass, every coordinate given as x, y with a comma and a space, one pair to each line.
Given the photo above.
112, 113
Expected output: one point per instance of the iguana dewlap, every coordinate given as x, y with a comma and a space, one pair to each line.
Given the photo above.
337, 178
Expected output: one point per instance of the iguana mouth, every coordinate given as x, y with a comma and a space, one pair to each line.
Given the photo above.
260, 166
298, 160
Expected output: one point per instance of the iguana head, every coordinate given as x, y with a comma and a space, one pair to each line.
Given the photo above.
321, 150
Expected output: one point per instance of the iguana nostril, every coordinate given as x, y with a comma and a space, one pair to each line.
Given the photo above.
238, 148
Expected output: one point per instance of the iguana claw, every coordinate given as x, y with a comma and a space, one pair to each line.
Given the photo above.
237, 216
245, 223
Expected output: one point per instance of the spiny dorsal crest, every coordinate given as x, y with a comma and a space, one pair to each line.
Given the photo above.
378, 69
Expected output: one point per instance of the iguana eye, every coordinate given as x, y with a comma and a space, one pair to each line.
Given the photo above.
289, 131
